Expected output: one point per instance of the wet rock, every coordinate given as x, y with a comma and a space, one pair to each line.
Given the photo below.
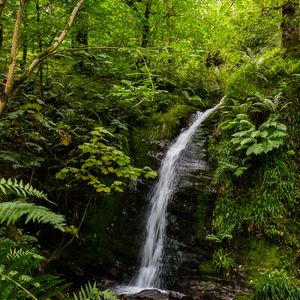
176, 295
151, 294
154, 294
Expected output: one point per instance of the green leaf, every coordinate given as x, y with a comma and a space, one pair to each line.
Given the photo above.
11, 212
255, 149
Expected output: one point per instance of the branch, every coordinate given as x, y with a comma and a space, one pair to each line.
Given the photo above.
13, 56
42, 56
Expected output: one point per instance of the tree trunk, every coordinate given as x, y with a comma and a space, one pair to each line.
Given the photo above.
2, 4
40, 42
82, 29
290, 27
13, 57
146, 25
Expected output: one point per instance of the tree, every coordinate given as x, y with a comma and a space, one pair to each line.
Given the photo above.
290, 27
10, 84
2, 4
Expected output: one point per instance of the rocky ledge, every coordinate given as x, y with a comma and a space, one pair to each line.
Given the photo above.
154, 294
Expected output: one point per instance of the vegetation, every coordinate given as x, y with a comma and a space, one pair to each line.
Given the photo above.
89, 88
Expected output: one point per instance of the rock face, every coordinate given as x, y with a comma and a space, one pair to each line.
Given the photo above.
184, 251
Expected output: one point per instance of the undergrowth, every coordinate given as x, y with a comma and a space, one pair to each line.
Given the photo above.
254, 151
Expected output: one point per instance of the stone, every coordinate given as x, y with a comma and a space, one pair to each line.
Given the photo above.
155, 294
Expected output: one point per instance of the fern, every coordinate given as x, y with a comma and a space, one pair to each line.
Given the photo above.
10, 212
91, 292
16, 279
9, 186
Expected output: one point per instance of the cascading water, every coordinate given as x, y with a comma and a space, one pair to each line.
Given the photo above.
152, 249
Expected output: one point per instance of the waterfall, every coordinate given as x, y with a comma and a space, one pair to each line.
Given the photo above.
152, 249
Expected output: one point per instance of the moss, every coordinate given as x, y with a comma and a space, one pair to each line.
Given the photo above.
157, 127
243, 297
207, 268
166, 126
257, 256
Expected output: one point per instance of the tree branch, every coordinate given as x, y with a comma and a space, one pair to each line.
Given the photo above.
42, 56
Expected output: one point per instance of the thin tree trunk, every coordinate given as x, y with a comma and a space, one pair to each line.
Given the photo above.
2, 5
13, 56
290, 27
25, 44
10, 84
41, 85
146, 25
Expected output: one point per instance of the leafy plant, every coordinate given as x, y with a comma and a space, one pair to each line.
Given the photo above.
265, 138
17, 279
223, 261
13, 186
101, 159
276, 284
91, 292
12, 211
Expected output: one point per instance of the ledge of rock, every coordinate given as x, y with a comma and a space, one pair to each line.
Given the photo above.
154, 294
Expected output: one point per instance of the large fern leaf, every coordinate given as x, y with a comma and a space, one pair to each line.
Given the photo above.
10, 212
15, 187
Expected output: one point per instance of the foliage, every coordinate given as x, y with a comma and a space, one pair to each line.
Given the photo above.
129, 70
91, 292
12, 211
17, 279
276, 284
10, 186
101, 159
252, 145
267, 137
223, 261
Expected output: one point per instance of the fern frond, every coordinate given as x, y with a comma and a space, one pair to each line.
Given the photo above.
91, 292
10, 212
47, 286
15, 187
16, 279
109, 295
88, 291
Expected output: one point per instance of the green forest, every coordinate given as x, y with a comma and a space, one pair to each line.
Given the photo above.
89, 88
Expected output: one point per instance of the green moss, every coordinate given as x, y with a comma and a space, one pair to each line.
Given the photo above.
257, 256
159, 126
243, 297
166, 125
207, 268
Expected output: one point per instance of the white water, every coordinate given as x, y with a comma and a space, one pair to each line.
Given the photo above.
152, 249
